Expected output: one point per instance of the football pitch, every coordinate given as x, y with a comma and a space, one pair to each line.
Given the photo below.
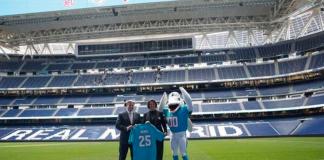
293, 148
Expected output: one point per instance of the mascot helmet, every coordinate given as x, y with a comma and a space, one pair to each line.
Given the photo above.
174, 101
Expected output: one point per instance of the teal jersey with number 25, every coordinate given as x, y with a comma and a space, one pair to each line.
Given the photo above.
143, 138
178, 120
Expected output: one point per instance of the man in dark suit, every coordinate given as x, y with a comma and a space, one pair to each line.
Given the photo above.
158, 120
124, 123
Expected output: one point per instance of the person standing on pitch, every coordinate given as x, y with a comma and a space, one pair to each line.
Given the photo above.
125, 122
157, 119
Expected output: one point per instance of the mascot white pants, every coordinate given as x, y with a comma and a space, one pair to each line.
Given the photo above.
179, 143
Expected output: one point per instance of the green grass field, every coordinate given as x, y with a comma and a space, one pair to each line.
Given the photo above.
311, 148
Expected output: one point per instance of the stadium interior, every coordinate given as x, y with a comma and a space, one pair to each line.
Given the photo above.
253, 68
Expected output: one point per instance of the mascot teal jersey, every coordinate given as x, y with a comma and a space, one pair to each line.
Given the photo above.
143, 138
178, 120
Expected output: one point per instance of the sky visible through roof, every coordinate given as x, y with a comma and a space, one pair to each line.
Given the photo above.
12, 7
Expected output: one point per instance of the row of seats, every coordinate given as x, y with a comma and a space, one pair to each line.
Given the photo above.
204, 108
201, 74
217, 94
269, 50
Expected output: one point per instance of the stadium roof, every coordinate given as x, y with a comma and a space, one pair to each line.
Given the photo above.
171, 17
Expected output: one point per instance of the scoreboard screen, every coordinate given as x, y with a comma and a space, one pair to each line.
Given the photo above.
104, 49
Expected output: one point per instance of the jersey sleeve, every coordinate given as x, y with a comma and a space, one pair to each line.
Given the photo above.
158, 135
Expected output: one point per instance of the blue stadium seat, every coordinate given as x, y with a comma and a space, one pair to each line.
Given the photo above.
233, 72
95, 111
245, 92
287, 103
58, 66
133, 63
74, 99
115, 79
311, 127
155, 97
261, 129
4, 101
260, 70
316, 99
10, 66
218, 94
310, 42
83, 65
242, 54
12, 113
24, 101
89, 80
159, 62
143, 77
101, 99
317, 84
274, 50
37, 113
213, 58
293, 65
47, 100
108, 64
220, 107
11, 82
275, 90
33, 66
36, 82
204, 74
251, 105
186, 60
173, 76
62, 81
317, 61
67, 112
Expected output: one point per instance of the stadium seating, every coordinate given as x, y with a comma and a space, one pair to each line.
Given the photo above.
89, 80
133, 63
109, 64
95, 111
10, 66
37, 112
159, 62
274, 50
62, 81
11, 82
260, 70
173, 76
213, 58
206, 74
36, 82
143, 77
58, 66
290, 66
221, 107
80, 66
234, 72
242, 54
283, 103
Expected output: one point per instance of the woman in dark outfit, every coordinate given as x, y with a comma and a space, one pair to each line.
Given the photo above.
158, 120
